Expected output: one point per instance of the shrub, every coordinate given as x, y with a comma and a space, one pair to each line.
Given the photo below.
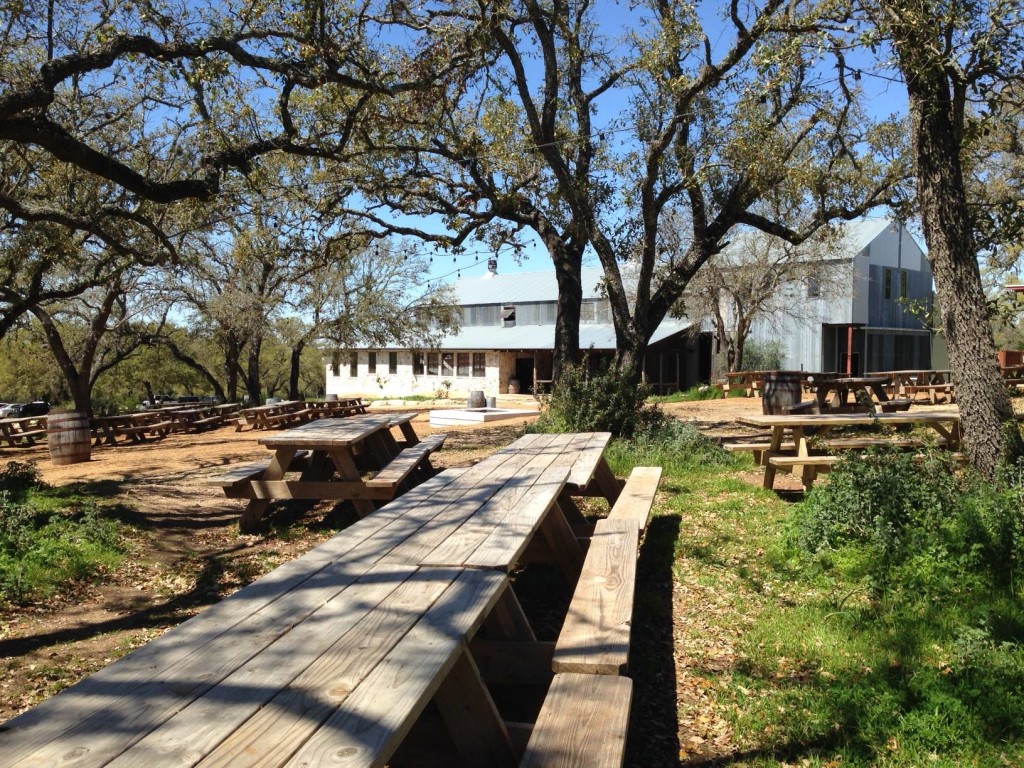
671, 445
762, 356
606, 401
18, 478
928, 528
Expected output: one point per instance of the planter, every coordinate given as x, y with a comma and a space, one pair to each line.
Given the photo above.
513, 386
69, 437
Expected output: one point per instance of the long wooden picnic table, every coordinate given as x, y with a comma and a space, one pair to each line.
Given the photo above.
333, 658
799, 428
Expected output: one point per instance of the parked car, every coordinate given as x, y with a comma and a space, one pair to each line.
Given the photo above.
6, 409
21, 410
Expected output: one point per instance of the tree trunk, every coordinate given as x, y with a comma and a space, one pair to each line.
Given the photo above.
982, 395
77, 382
293, 376
232, 353
567, 317
252, 374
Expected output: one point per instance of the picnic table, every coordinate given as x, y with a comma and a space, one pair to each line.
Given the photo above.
849, 394
344, 406
321, 449
285, 413
789, 449
936, 385
333, 658
22, 430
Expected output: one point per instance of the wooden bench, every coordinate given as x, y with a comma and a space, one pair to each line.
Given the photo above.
585, 715
583, 722
595, 636
245, 473
803, 461
409, 460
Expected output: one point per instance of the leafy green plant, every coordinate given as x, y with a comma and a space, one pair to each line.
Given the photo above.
585, 401
42, 550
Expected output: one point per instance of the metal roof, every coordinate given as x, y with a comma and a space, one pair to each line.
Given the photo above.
598, 336
517, 287
856, 236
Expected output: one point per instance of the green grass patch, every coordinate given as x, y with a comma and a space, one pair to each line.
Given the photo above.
701, 392
49, 537
879, 622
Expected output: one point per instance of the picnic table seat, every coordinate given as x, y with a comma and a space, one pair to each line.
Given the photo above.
583, 722
413, 458
595, 636
244, 473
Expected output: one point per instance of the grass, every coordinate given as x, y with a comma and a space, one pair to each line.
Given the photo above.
777, 657
702, 392
50, 538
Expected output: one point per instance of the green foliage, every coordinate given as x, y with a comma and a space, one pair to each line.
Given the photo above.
928, 530
606, 401
762, 356
836, 656
17, 478
701, 392
668, 444
45, 542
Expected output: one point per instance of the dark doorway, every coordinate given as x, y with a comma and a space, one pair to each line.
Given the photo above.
524, 372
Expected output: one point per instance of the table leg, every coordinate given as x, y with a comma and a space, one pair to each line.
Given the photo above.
253, 513
507, 620
773, 450
345, 465
411, 438
607, 482
562, 541
807, 471
472, 719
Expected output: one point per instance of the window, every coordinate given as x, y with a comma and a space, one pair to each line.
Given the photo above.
336, 368
903, 283
887, 283
462, 364
353, 364
447, 364
392, 363
479, 365
419, 363
432, 364
508, 316
813, 287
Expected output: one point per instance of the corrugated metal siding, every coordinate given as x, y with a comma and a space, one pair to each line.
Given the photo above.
889, 312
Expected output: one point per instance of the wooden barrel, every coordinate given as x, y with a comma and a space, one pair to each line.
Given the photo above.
513, 386
781, 388
69, 437
476, 399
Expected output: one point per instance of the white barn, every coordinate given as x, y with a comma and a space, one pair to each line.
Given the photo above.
505, 343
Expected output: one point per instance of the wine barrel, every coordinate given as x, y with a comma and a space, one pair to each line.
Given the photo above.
69, 437
781, 389
476, 399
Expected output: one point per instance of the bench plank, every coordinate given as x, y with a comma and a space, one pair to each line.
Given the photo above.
400, 467
582, 724
595, 636
637, 497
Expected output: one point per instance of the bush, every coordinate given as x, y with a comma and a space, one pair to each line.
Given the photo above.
17, 479
762, 356
671, 445
597, 402
928, 529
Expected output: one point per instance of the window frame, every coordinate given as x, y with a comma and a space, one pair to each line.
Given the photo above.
392, 363
479, 365
353, 365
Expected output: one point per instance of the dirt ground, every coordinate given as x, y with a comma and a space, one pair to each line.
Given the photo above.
188, 553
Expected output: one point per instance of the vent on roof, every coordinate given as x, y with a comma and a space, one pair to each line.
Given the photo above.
508, 316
